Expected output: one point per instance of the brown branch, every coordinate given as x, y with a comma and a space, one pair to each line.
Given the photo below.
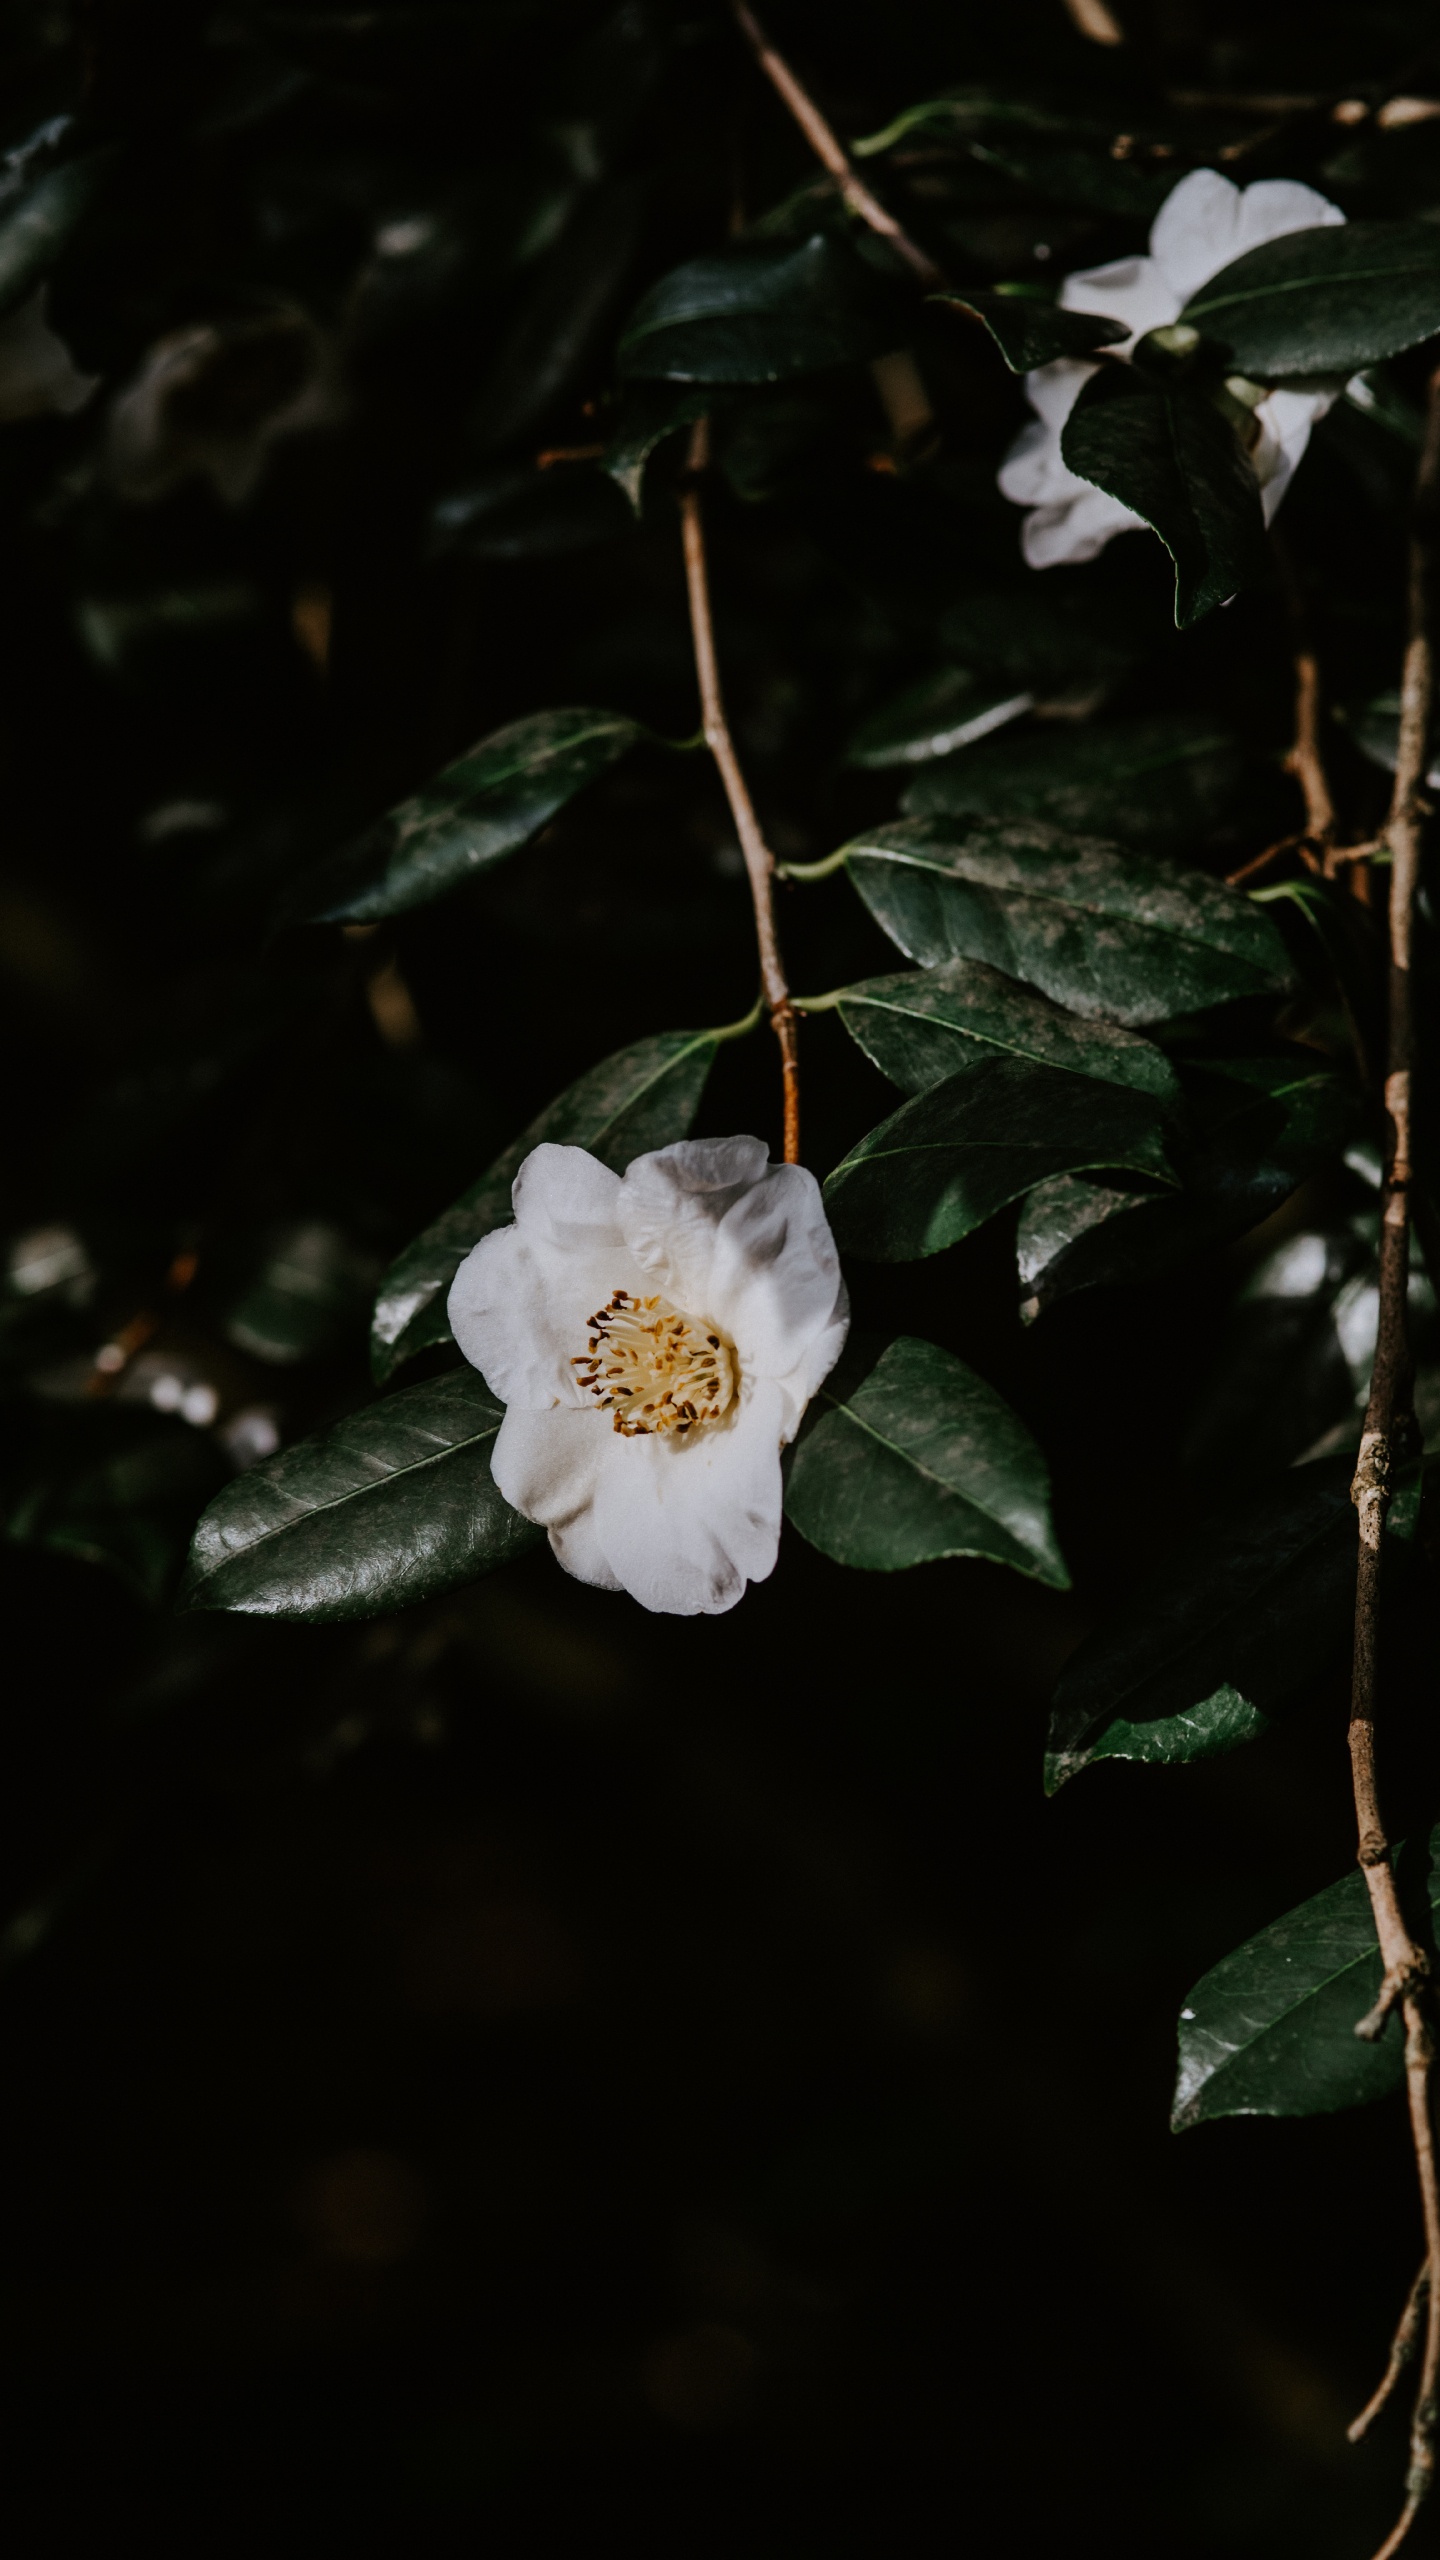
759, 860
1091, 18
1306, 759
1402, 2348
830, 150
1386, 1419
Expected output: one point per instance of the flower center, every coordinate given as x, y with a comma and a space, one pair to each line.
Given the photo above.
653, 1368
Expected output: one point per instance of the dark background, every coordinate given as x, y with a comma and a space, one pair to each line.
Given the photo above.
524, 2070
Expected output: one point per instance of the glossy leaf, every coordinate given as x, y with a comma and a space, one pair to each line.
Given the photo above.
942, 712
392, 1505
1326, 301
948, 1159
921, 1025
1098, 929
759, 315
1270, 2030
1242, 1619
35, 230
528, 515
1167, 780
1259, 1127
921, 1459
644, 1096
483, 806
1166, 452
1030, 333
646, 414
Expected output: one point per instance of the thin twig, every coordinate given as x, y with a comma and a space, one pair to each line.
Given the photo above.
1262, 861
759, 861
1386, 1417
830, 150
1402, 2348
1306, 759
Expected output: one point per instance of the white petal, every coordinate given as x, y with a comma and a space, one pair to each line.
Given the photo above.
671, 1204
518, 1307
685, 1524
1032, 473
1273, 206
1135, 291
1053, 389
564, 1197
1078, 530
1285, 421
1196, 232
775, 1279
547, 1465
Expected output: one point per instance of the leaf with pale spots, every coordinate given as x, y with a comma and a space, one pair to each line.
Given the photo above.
921, 1025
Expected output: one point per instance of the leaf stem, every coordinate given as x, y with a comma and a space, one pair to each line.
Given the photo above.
748, 1022
830, 150
1386, 1419
812, 870
759, 860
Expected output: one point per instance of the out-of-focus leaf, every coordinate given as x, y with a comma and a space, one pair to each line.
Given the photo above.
394, 1504
1270, 2030
35, 230
310, 1287
1283, 1371
483, 806
1167, 453
1047, 638
942, 712
924, 1024
1098, 929
759, 315
949, 1158
1375, 728
922, 1459
644, 1096
646, 413
560, 329
1327, 301
1260, 1126
1241, 1621
1167, 780
528, 515
1029, 332
128, 1509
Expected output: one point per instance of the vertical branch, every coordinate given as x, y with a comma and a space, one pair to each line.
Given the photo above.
759, 861
1306, 759
830, 150
1386, 1416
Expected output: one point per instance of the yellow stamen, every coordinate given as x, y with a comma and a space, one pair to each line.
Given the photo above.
654, 1368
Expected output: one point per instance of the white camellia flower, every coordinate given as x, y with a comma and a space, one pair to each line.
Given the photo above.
1204, 224
655, 1338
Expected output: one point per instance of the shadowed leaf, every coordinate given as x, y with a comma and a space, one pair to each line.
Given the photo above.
759, 315
1030, 333
1328, 301
1167, 453
924, 1024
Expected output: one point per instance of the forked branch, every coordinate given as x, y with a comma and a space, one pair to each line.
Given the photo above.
759, 861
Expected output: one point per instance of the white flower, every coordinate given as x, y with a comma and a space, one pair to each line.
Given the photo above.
1204, 224
655, 1339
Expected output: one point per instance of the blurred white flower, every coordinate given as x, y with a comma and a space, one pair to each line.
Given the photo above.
37, 370
655, 1340
1204, 224
210, 401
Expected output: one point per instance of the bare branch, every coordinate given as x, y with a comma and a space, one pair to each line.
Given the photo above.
830, 150
1402, 2349
759, 861
1381, 1441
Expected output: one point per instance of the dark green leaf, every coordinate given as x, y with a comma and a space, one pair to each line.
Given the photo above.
1242, 1620
1375, 728
922, 1459
946, 710
1166, 452
642, 1097
561, 328
395, 1503
1048, 637
308, 1289
1270, 2030
1098, 929
1284, 1370
128, 1507
947, 1160
646, 414
1260, 1127
1327, 301
759, 315
485, 805
1030, 333
1164, 780
924, 1024
34, 231
528, 515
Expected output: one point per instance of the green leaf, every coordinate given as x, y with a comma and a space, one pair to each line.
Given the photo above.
947, 1160
1237, 1624
486, 804
528, 515
35, 231
1048, 638
310, 1287
1098, 929
924, 1024
1270, 2030
759, 315
1375, 728
647, 412
1259, 1128
943, 711
922, 1459
1327, 301
643, 1097
126, 1505
1030, 333
1164, 780
1166, 452
392, 1505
